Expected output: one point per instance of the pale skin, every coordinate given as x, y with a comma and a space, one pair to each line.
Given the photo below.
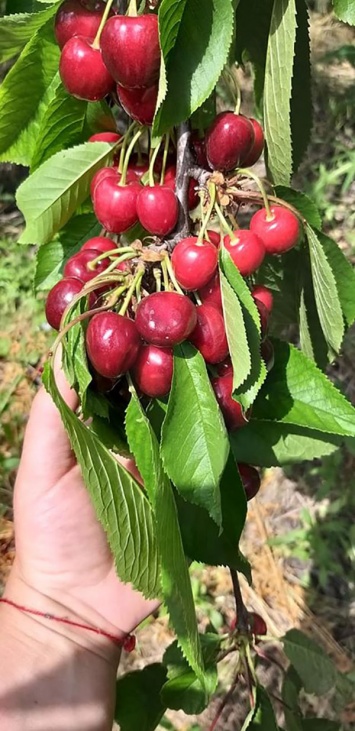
54, 676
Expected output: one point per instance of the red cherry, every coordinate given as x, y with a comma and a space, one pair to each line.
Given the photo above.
99, 244
131, 51
77, 18
77, 265
58, 299
280, 233
199, 150
211, 293
247, 251
170, 181
139, 103
138, 167
231, 410
158, 209
228, 140
112, 344
209, 335
250, 479
264, 295
165, 318
129, 643
267, 353
115, 205
194, 262
83, 71
257, 147
153, 370
257, 624
110, 172
225, 368
105, 137
214, 237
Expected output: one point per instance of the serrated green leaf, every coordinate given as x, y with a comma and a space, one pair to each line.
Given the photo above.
195, 49
252, 32
52, 257
291, 687
50, 196
316, 670
297, 392
175, 579
120, 504
312, 340
302, 202
301, 98
283, 276
277, 90
75, 360
183, 689
344, 276
236, 333
345, 10
25, 94
138, 703
325, 293
194, 439
17, 30
262, 716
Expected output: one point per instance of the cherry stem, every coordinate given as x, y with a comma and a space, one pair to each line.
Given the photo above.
197, 298
134, 285
96, 42
165, 275
132, 8
183, 165
152, 163
251, 197
69, 325
223, 704
253, 176
157, 277
250, 662
128, 155
114, 264
115, 295
223, 221
172, 275
127, 135
212, 194
108, 255
165, 157
241, 610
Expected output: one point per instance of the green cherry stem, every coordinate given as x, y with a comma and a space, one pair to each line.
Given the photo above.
126, 138
157, 277
212, 194
165, 275
108, 255
250, 662
249, 174
132, 8
113, 265
171, 274
223, 221
152, 163
165, 157
134, 286
96, 41
128, 155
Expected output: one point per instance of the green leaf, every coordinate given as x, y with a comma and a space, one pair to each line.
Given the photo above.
236, 333
316, 670
50, 196
183, 689
326, 294
17, 30
312, 340
277, 91
296, 392
302, 202
283, 276
25, 94
175, 579
120, 504
195, 49
344, 276
138, 703
320, 724
291, 687
301, 99
194, 439
252, 32
52, 257
345, 10
262, 716
75, 360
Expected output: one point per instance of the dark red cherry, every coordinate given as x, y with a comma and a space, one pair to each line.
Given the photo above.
77, 265
77, 18
211, 293
105, 137
83, 71
59, 297
131, 50
246, 249
228, 140
209, 335
115, 205
225, 368
279, 233
139, 103
264, 295
250, 479
257, 624
110, 172
165, 318
267, 353
214, 237
158, 209
112, 344
199, 150
170, 181
257, 147
231, 410
194, 262
138, 166
99, 244
153, 370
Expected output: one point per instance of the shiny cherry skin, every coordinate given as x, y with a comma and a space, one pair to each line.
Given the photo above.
138, 166
257, 624
267, 353
250, 479
246, 250
83, 71
165, 318
110, 172
214, 237
257, 147
280, 233
112, 344
158, 209
264, 295
59, 297
194, 262
139, 103
105, 137
77, 265
77, 18
228, 140
153, 370
231, 410
131, 50
225, 368
209, 335
211, 293
115, 205
170, 180
99, 244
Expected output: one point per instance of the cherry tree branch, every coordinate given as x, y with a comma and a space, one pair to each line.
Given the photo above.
183, 165
242, 612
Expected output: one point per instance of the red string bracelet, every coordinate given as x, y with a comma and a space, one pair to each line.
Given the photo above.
128, 642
